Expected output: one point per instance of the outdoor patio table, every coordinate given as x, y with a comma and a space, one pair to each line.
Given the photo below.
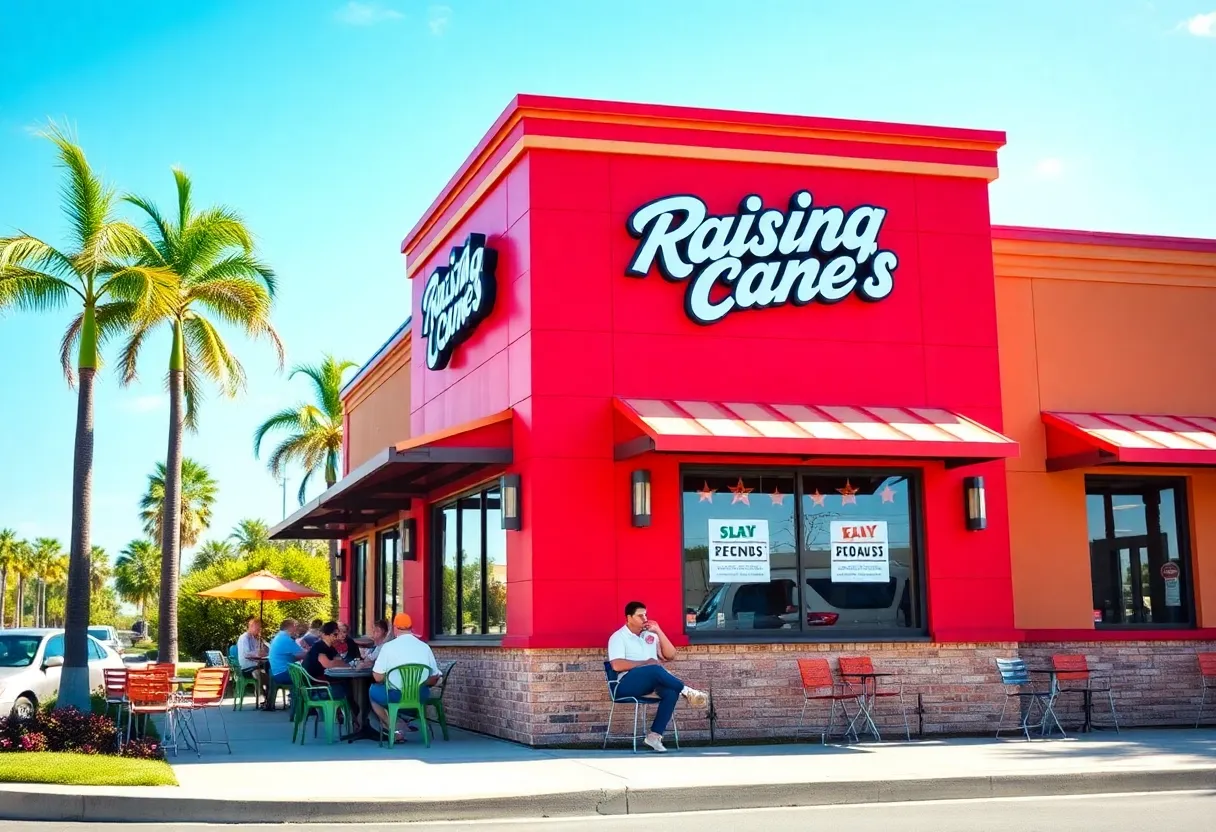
359, 680
1055, 688
866, 700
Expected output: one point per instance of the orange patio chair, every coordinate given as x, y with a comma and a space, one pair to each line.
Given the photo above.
114, 684
150, 692
856, 672
1074, 676
208, 692
818, 685
1207, 674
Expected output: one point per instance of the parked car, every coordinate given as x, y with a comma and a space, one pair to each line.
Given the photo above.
776, 605
107, 636
30, 665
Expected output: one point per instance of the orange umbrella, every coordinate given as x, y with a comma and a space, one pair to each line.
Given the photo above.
259, 586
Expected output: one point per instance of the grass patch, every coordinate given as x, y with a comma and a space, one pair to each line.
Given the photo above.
69, 769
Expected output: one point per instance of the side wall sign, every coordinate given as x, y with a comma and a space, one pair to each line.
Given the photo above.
456, 298
758, 258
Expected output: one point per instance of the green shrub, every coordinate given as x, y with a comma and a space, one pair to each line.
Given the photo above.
215, 623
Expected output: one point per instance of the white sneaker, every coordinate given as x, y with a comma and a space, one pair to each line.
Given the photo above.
696, 698
656, 743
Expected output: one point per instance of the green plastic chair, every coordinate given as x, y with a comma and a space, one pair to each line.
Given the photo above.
436, 700
308, 695
407, 678
241, 685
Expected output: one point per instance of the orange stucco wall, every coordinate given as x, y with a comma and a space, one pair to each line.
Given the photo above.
378, 407
1100, 328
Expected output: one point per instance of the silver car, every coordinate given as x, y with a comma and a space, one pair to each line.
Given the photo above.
30, 663
106, 635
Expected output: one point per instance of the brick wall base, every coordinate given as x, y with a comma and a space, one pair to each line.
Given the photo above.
559, 697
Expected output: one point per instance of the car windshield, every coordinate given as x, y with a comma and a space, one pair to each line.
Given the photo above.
18, 651
100, 633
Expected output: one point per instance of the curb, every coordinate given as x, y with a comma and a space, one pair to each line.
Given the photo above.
162, 805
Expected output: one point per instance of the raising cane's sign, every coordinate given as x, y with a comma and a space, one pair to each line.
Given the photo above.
758, 258
456, 298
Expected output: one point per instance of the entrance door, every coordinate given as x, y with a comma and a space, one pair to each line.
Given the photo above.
1121, 579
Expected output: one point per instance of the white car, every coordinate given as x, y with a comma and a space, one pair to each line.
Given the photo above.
107, 636
30, 663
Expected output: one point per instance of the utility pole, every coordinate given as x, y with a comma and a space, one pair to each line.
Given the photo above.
283, 482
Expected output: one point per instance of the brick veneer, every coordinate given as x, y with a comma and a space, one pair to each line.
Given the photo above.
558, 697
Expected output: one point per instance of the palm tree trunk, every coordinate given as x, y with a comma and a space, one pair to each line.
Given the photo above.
19, 601
166, 636
74, 680
3, 595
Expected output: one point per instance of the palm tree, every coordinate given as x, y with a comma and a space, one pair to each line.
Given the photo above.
211, 253
8, 560
314, 435
54, 574
47, 550
96, 275
211, 553
198, 492
137, 574
99, 570
23, 567
250, 535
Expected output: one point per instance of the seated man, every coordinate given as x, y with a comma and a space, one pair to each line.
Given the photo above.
634, 652
308, 636
406, 648
283, 651
249, 649
323, 655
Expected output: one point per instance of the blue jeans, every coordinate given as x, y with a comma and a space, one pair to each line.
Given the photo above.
649, 680
378, 694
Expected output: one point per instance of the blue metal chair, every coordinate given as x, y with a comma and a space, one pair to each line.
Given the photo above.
639, 710
1016, 680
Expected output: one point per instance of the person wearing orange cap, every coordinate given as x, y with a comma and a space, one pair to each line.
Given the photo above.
406, 648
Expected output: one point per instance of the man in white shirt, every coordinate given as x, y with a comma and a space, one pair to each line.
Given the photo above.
406, 648
250, 648
634, 652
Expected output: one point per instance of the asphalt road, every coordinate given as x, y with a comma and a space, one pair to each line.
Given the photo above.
1161, 810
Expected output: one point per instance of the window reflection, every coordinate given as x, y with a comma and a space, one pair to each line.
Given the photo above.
470, 545
799, 590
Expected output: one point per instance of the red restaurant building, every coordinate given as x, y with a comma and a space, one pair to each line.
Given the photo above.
781, 379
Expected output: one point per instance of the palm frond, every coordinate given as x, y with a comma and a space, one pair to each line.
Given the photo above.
128, 362
302, 494
236, 300
192, 389
212, 356
110, 319
86, 198
36, 291
33, 254
326, 378
184, 186
162, 251
290, 418
302, 449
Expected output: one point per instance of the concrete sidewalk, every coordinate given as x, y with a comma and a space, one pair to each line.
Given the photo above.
267, 779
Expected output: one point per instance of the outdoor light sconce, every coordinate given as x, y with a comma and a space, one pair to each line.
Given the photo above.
509, 486
407, 530
640, 498
973, 496
340, 565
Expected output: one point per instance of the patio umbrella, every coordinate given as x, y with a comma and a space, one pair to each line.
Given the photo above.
260, 586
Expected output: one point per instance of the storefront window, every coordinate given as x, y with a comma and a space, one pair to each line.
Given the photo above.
1139, 551
816, 553
470, 548
388, 577
357, 570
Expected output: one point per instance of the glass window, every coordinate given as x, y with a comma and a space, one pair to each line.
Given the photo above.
388, 577
799, 552
357, 569
470, 548
1139, 551
54, 647
95, 651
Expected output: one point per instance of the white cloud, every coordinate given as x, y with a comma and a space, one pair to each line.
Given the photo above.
440, 17
146, 404
365, 14
1049, 168
1202, 25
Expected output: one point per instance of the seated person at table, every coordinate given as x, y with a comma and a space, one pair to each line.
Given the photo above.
250, 648
634, 652
345, 645
322, 656
283, 651
379, 639
308, 637
406, 648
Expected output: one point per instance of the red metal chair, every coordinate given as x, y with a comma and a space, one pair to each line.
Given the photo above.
150, 692
1207, 674
857, 672
818, 685
114, 684
1074, 668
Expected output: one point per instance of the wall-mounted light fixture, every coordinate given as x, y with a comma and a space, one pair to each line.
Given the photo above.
407, 530
340, 565
640, 498
509, 485
975, 503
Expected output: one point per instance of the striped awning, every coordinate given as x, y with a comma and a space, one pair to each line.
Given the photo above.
1083, 439
808, 430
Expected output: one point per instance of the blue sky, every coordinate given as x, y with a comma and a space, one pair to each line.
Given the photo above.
332, 125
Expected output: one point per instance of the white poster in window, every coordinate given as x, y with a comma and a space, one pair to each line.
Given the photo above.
860, 553
1173, 586
738, 552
